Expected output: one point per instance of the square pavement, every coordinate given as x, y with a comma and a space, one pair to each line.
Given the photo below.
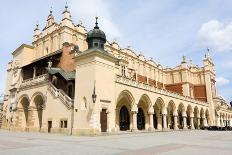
195, 142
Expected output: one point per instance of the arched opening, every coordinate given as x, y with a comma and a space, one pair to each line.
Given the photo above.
158, 109
140, 119
170, 114
123, 111
39, 103
180, 112
124, 119
202, 113
155, 121
142, 115
24, 104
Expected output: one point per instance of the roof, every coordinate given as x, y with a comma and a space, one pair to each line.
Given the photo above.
22, 46
66, 75
46, 56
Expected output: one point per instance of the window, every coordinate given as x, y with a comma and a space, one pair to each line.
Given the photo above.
63, 124
123, 70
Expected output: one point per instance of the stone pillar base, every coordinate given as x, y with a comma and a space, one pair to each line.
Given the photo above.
151, 129
134, 130
87, 131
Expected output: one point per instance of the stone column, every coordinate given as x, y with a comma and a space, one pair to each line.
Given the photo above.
204, 122
151, 125
175, 122
134, 123
184, 116
184, 122
218, 121
34, 71
198, 123
192, 123
164, 122
221, 122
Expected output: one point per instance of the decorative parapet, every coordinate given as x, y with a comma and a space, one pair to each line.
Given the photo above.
130, 82
34, 81
68, 102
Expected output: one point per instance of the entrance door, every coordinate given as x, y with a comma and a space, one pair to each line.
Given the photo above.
124, 119
49, 126
140, 119
103, 120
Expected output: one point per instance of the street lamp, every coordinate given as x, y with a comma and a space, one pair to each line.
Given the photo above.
94, 95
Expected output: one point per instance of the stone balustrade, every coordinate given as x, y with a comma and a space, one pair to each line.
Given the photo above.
133, 83
34, 81
68, 102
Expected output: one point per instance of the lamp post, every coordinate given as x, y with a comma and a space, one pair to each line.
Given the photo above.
94, 95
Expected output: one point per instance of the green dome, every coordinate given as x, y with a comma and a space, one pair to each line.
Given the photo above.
96, 33
96, 38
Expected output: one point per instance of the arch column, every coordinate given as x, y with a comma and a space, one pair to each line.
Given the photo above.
134, 112
198, 122
151, 123
164, 121
221, 121
218, 121
184, 120
175, 121
191, 121
164, 117
205, 122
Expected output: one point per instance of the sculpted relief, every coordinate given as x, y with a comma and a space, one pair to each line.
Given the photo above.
16, 70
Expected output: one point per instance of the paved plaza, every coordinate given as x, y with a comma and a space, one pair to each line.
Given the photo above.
175, 142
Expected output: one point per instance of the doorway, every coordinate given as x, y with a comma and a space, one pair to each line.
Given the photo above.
49, 126
103, 120
124, 118
140, 119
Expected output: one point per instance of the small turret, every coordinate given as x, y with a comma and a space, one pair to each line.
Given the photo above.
66, 19
36, 32
50, 19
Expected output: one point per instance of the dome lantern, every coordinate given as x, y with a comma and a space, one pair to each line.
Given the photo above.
96, 38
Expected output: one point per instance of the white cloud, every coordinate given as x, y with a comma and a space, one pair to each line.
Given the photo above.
87, 10
217, 35
222, 81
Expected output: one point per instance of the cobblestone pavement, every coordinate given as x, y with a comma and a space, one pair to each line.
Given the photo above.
175, 142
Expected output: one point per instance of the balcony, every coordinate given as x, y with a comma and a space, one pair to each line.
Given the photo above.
34, 81
133, 83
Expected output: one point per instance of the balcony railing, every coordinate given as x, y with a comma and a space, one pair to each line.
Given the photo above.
68, 102
133, 83
34, 81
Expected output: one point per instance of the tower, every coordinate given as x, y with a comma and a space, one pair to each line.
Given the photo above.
94, 85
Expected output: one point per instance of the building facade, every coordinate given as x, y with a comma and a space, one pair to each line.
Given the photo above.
73, 81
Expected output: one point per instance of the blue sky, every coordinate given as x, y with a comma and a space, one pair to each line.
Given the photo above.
163, 29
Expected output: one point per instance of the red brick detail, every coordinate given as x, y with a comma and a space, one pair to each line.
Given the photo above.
177, 88
142, 79
200, 93
151, 82
67, 62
